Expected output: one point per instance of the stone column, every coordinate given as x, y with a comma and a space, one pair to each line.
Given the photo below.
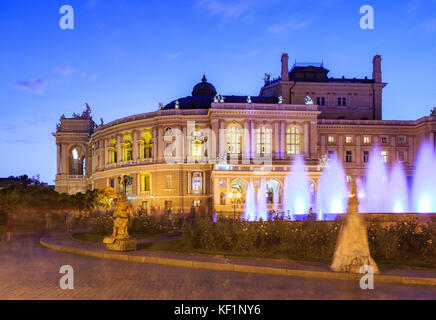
306, 140
222, 141
64, 157
323, 150
135, 145
253, 139
160, 144
215, 130
216, 193
276, 150
58, 158
358, 151
119, 149
282, 140
154, 145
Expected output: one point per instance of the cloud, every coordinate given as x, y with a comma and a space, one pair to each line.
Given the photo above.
294, 23
64, 70
248, 54
173, 55
428, 26
37, 86
228, 9
87, 76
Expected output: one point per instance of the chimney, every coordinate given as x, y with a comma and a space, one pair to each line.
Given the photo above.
376, 69
285, 68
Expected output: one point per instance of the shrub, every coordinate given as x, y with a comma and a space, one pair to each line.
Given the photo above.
310, 240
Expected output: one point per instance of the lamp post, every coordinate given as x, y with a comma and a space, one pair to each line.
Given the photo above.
234, 197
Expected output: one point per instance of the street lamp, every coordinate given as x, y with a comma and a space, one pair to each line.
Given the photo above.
234, 197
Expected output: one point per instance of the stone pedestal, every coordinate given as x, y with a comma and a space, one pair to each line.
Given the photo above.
120, 244
352, 248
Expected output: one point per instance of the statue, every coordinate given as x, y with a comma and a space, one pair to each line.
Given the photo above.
218, 98
352, 248
177, 104
308, 100
267, 78
433, 112
248, 99
280, 100
120, 240
101, 121
161, 105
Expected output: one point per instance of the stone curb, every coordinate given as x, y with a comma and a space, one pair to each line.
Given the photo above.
241, 268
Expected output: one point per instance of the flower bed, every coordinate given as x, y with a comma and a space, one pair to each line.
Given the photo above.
395, 243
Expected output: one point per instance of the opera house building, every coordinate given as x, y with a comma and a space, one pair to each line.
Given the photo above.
205, 149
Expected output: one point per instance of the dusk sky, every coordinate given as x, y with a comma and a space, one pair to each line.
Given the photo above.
124, 57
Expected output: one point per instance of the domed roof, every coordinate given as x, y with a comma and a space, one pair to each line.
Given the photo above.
204, 88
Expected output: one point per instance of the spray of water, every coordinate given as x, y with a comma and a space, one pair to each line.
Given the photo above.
332, 191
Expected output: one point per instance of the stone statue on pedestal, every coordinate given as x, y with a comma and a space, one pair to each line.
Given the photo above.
120, 239
352, 248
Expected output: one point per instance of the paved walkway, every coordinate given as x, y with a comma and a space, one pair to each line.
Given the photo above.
65, 240
30, 271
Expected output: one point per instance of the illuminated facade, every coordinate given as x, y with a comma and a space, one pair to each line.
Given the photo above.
204, 149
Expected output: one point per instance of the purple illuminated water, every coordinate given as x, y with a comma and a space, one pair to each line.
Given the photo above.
262, 209
250, 204
424, 184
296, 190
332, 195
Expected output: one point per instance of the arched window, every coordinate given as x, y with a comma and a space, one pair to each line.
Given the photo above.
264, 140
146, 146
239, 186
76, 163
293, 140
128, 148
113, 151
273, 191
197, 145
234, 139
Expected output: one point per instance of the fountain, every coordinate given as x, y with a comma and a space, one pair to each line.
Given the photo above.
376, 184
250, 204
399, 196
262, 209
424, 184
296, 190
332, 191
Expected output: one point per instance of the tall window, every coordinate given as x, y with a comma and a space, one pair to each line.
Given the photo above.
146, 146
365, 156
349, 156
197, 145
113, 150
234, 139
264, 139
384, 156
128, 148
145, 182
293, 140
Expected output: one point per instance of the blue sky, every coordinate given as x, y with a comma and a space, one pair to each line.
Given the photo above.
124, 57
